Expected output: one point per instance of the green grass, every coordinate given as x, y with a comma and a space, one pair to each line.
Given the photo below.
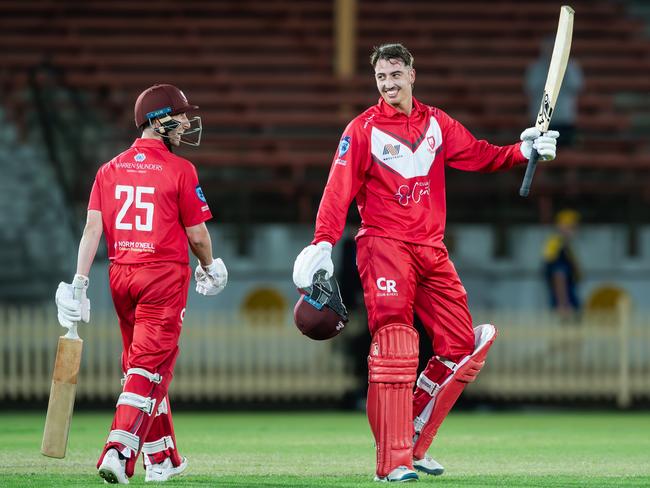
336, 449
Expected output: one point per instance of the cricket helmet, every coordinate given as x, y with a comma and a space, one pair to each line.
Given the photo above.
161, 102
319, 313
158, 101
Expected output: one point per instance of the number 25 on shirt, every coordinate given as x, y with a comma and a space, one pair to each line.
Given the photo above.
131, 195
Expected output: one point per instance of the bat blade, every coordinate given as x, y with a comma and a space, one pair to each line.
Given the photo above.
559, 60
62, 395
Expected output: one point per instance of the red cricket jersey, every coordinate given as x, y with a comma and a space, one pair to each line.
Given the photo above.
394, 165
147, 197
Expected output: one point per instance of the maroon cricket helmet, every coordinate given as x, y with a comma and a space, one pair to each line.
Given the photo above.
319, 312
158, 101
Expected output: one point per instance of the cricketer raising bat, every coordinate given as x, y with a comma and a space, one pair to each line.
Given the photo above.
62, 392
559, 59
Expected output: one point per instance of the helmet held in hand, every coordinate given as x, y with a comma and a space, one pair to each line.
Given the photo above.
319, 313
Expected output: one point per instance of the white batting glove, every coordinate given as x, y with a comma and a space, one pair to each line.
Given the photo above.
71, 310
312, 259
545, 144
212, 279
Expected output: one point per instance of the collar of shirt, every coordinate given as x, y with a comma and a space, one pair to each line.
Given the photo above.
389, 111
151, 143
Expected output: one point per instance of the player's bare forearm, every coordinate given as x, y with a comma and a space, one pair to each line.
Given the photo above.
89, 242
200, 243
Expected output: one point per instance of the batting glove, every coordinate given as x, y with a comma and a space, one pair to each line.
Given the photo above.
545, 144
312, 259
212, 279
72, 304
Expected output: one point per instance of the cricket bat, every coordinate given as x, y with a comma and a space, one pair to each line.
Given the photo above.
559, 60
62, 392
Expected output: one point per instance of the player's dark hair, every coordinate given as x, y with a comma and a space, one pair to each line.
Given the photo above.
391, 51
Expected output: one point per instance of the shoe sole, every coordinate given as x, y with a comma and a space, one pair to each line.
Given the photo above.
109, 476
432, 472
406, 479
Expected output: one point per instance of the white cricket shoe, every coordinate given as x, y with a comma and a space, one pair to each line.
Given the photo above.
428, 465
113, 469
165, 470
401, 474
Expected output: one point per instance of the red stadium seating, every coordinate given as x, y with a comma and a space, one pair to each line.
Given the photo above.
262, 73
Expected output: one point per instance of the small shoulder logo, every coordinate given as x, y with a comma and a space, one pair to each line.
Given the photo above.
140, 157
199, 193
344, 146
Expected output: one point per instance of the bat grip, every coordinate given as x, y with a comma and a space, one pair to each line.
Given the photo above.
72, 331
530, 172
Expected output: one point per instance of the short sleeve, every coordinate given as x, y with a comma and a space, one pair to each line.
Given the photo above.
193, 206
95, 200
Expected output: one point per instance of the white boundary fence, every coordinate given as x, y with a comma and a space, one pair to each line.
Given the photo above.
241, 358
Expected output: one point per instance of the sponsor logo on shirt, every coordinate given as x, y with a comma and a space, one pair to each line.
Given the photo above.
386, 287
140, 157
135, 246
199, 193
340, 162
406, 194
391, 149
138, 167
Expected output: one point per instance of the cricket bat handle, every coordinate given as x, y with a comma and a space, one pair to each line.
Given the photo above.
530, 172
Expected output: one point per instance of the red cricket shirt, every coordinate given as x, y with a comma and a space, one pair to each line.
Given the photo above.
147, 197
394, 165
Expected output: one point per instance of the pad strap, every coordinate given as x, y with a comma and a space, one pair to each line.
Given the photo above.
146, 404
126, 438
424, 383
160, 445
153, 377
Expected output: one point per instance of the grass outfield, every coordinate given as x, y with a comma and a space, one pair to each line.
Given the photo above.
336, 449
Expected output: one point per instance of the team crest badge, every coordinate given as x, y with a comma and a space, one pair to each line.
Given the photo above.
344, 146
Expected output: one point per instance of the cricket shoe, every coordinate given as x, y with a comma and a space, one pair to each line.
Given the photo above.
164, 471
401, 474
112, 468
428, 465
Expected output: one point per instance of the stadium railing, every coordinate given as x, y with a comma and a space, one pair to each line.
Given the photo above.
234, 357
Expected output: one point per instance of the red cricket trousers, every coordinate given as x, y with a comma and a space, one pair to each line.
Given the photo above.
399, 277
150, 303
